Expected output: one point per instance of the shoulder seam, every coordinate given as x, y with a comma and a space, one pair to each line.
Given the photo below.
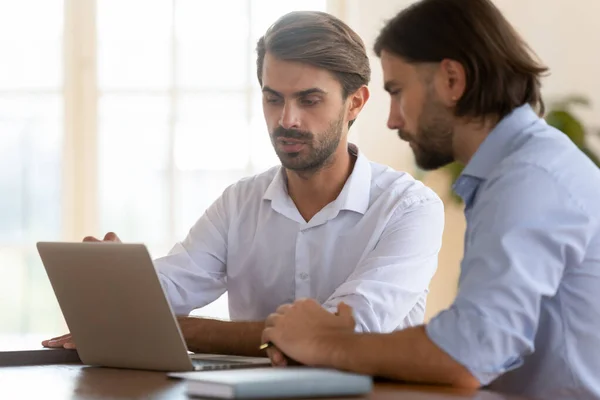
563, 189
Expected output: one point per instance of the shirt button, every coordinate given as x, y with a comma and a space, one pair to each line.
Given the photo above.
304, 276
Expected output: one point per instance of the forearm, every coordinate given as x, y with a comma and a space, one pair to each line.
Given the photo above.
407, 355
222, 337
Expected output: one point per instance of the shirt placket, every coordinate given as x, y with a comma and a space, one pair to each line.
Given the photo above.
302, 277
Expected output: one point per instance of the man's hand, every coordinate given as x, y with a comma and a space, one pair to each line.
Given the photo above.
66, 341
303, 330
109, 237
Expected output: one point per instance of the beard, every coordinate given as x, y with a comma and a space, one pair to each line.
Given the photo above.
317, 149
432, 144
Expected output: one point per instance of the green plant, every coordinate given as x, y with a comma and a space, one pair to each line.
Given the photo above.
560, 116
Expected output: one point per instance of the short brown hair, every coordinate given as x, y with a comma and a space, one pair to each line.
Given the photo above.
321, 40
502, 72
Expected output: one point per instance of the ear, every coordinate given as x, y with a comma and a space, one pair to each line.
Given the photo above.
357, 101
451, 82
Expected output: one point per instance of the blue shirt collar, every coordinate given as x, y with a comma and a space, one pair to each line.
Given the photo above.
496, 146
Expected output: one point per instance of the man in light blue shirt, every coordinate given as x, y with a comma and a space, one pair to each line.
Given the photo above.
526, 319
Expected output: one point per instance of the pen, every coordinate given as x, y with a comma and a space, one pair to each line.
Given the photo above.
265, 346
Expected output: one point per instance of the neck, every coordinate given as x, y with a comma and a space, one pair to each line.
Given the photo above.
311, 191
469, 135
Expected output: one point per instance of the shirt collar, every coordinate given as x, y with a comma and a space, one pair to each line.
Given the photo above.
499, 142
277, 187
497, 145
355, 195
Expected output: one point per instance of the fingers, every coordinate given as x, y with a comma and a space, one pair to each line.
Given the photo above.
54, 339
277, 357
344, 310
272, 320
283, 308
65, 341
111, 237
70, 345
267, 334
306, 305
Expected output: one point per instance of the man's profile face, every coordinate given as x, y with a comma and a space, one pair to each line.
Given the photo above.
417, 113
304, 111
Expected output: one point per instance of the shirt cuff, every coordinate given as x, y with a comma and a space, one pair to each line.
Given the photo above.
474, 342
361, 325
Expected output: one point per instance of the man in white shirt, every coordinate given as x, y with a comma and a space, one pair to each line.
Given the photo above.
328, 225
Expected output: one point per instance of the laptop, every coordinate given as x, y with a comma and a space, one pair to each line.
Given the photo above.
115, 307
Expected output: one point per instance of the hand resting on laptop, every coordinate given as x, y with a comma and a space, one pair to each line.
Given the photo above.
186, 324
67, 341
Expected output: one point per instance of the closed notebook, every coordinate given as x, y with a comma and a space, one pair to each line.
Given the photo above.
264, 383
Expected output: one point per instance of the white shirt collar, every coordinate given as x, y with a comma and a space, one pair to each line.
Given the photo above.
355, 195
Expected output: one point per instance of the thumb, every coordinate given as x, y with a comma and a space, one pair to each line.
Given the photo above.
344, 310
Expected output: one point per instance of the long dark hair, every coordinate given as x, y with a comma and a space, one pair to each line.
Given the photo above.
502, 72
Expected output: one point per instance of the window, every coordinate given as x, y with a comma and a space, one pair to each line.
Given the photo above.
31, 132
134, 122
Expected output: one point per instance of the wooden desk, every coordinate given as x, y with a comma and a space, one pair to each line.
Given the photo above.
77, 382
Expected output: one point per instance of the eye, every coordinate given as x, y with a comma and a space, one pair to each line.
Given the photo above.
272, 100
310, 101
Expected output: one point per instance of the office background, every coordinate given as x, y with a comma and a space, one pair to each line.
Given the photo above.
133, 115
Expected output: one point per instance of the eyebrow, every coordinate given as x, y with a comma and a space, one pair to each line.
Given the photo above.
301, 93
389, 84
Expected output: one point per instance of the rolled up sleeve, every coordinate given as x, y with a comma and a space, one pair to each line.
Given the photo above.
523, 234
193, 274
393, 279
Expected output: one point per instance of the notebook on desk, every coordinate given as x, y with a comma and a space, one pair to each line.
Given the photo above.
270, 383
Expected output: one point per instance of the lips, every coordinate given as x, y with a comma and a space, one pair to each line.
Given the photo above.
290, 145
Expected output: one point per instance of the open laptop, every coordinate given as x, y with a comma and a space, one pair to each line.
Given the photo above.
117, 311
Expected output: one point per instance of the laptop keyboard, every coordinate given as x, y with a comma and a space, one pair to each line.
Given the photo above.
217, 364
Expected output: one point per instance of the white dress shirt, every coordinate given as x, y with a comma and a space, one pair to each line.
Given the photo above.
375, 248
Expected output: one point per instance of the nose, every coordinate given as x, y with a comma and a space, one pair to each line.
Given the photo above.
290, 117
395, 119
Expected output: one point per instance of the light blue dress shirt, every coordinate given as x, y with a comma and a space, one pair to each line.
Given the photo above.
527, 315
375, 248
